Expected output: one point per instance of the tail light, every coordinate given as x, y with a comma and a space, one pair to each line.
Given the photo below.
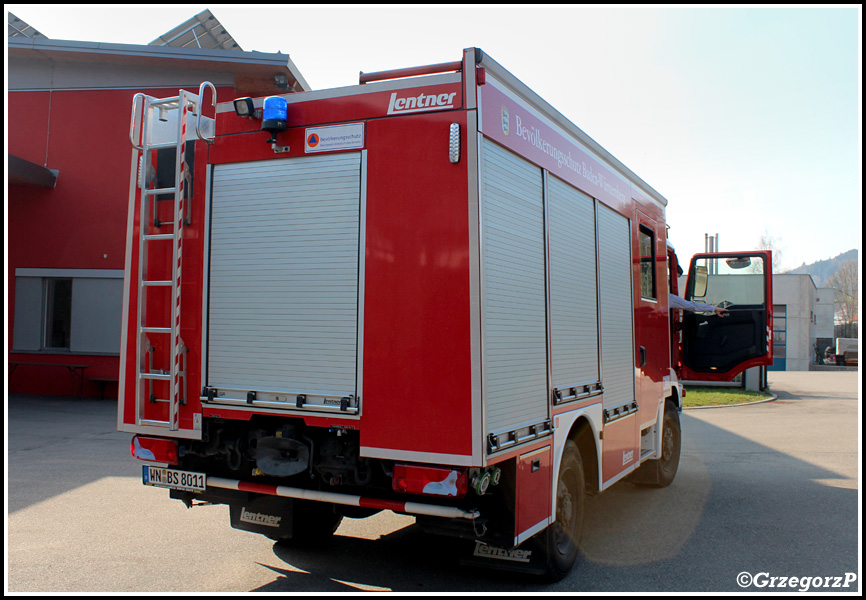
430, 481
159, 450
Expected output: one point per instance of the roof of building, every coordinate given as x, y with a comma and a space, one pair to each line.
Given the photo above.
198, 49
198, 44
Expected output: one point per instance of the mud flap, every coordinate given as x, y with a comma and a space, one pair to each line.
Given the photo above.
268, 515
526, 558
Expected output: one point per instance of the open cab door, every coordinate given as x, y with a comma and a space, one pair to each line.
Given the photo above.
717, 348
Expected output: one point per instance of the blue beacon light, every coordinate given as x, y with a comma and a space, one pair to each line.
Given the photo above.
275, 116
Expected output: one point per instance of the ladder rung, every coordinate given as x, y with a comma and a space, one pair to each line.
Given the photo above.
159, 236
167, 102
157, 283
156, 329
158, 191
160, 376
160, 145
152, 423
159, 400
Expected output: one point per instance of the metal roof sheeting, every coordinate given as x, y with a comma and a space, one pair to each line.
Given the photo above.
18, 28
201, 31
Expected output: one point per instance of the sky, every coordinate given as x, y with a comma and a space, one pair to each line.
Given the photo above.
748, 120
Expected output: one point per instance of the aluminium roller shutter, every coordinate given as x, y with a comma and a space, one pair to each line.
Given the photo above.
283, 282
616, 317
514, 327
573, 297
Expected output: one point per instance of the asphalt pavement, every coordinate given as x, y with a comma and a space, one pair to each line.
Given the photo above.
766, 497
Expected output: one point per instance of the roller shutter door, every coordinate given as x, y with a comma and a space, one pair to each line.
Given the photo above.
573, 295
616, 316
514, 328
283, 299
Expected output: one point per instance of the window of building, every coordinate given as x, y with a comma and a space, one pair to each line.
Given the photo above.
67, 310
166, 164
780, 331
57, 312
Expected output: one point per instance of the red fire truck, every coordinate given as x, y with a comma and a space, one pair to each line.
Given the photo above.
429, 293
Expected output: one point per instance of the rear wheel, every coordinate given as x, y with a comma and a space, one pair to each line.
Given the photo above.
561, 540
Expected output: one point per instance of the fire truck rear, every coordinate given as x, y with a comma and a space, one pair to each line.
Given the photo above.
428, 293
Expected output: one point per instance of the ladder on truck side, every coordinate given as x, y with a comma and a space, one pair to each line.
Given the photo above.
159, 123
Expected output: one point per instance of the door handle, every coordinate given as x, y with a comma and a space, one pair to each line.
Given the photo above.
642, 356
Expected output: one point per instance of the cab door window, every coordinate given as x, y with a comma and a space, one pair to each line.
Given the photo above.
646, 248
729, 282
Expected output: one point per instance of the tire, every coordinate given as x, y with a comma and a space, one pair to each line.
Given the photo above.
671, 446
661, 472
313, 523
561, 540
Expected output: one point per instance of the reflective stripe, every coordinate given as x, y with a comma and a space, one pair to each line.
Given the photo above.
344, 499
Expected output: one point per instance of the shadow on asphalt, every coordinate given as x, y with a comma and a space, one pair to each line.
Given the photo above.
744, 509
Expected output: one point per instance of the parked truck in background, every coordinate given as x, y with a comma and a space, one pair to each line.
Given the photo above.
847, 352
429, 293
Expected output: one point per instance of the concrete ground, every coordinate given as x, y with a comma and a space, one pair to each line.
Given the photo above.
769, 488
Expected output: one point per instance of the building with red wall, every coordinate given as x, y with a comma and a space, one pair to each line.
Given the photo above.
68, 172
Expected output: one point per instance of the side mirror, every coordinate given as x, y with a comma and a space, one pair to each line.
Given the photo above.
740, 262
700, 289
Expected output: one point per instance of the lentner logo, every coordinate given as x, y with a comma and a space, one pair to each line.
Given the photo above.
627, 457
259, 518
506, 125
513, 554
420, 103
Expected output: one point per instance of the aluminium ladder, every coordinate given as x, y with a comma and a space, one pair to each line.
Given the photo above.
169, 130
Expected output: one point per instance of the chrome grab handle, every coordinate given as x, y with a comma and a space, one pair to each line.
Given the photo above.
200, 111
135, 111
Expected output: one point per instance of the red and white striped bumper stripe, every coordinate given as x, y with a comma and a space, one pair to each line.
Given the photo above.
415, 508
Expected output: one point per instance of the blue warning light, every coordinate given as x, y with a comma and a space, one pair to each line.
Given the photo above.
274, 116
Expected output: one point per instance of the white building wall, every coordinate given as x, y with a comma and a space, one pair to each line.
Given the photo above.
809, 317
824, 313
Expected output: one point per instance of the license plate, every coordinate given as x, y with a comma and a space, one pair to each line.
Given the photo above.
173, 479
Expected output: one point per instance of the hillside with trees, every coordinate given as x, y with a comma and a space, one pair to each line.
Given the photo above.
822, 270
